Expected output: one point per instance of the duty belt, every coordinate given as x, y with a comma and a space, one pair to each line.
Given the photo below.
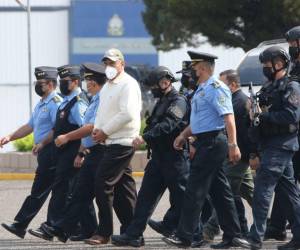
209, 134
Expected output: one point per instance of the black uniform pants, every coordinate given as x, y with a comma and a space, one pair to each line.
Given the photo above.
41, 187
83, 196
64, 181
207, 177
279, 214
164, 170
115, 187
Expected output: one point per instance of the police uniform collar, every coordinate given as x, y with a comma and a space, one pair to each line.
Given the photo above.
49, 97
74, 93
95, 97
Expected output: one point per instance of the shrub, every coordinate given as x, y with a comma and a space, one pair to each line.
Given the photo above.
24, 144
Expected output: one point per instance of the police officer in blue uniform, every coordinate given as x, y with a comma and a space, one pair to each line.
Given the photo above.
167, 167
276, 229
211, 112
279, 100
87, 159
41, 123
69, 117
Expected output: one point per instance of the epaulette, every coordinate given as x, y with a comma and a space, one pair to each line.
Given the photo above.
78, 98
56, 99
216, 84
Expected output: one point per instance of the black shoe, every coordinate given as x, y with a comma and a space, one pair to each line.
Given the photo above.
292, 245
254, 245
61, 236
173, 240
275, 234
235, 242
126, 240
79, 237
40, 233
15, 229
198, 243
160, 228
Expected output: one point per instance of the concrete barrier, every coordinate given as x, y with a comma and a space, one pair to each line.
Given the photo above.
25, 162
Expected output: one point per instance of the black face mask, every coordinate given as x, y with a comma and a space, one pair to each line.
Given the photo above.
194, 76
157, 92
268, 73
39, 89
294, 53
64, 87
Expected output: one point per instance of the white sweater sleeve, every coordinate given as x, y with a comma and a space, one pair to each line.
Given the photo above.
128, 103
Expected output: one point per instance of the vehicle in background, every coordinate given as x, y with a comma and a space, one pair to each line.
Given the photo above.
140, 72
250, 69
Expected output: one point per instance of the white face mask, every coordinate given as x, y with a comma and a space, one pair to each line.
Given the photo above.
111, 72
84, 85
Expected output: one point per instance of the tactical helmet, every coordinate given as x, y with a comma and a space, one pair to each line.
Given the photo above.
157, 74
293, 34
269, 54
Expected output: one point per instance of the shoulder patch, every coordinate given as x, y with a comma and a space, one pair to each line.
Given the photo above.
176, 111
56, 99
216, 84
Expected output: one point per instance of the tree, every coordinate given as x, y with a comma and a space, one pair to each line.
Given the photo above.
235, 23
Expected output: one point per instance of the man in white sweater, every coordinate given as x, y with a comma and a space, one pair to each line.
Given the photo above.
116, 125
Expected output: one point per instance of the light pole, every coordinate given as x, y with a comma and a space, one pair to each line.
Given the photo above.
28, 9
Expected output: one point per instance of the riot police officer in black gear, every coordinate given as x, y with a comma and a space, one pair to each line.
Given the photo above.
279, 101
277, 226
167, 167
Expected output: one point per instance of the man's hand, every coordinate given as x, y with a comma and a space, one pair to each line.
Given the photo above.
99, 136
4, 140
234, 154
254, 163
37, 148
78, 161
137, 142
192, 152
179, 142
61, 140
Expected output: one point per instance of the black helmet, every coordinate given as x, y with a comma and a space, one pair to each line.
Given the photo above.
157, 74
269, 54
293, 34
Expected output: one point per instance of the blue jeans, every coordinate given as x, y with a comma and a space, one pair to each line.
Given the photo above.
276, 170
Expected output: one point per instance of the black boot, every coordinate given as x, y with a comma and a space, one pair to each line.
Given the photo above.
159, 227
40, 233
61, 235
275, 234
292, 245
174, 240
15, 229
126, 240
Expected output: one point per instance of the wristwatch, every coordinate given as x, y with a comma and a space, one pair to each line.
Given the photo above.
232, 145
81, 154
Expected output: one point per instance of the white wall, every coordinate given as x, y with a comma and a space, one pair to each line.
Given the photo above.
50, 47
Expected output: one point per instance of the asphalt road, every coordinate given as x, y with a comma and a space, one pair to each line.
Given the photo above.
13, 193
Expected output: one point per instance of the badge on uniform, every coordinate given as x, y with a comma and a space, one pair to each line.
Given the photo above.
222, 100
294, 99
175, 110
62, 114
202, 93
216, 84
45, 109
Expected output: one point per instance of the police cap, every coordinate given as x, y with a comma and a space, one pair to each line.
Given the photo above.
186, 67
45, 72
201, 57
94, 71
293, 34
69, 70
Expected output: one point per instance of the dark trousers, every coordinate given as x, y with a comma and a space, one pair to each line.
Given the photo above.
115, 187
81, 204
41, 187
164, 170
241, 183
276, 170
64, 181
207, 177
278, 219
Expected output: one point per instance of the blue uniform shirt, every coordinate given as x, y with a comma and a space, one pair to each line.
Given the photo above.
43, 117
77, 111
211, 101
89, 118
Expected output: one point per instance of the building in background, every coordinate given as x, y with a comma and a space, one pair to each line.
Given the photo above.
75, 31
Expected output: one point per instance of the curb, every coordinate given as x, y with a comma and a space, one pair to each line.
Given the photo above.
30, 176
